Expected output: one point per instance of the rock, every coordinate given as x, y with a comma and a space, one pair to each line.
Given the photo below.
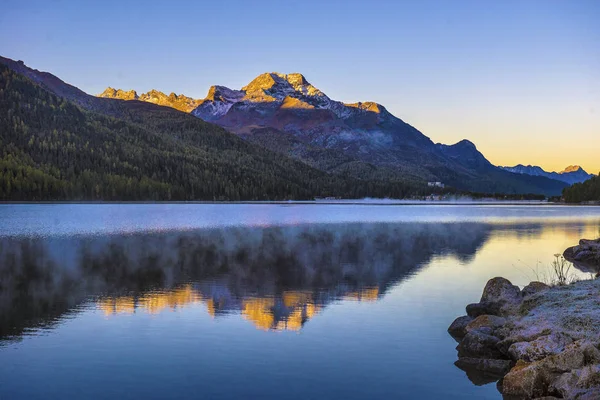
592, 394
457, 328
533, 334
589, 376
500, 297
500, 290
477, 344
575, 356
565, 385
587, 252
491, 322
525, 380
533, 288
491, 366
483, 308
539, 348
576, 383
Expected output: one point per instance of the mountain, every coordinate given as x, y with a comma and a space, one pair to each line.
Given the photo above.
178, 102
346, 150
286, 113
572, 174
59, 143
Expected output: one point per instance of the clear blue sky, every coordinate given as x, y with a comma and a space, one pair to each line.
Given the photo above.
521, 79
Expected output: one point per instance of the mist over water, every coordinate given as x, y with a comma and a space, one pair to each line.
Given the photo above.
297, 301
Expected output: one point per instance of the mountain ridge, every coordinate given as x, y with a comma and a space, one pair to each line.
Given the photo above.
360, 140
571, 174
179, 102
365, 134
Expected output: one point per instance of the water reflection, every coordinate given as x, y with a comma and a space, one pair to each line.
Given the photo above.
277, 278
288, 311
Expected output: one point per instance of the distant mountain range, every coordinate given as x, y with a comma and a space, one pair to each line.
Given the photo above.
572, 174
287, 114
149, 151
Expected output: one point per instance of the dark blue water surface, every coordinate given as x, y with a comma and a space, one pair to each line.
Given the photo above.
294, 301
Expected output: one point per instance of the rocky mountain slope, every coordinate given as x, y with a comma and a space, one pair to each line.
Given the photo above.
276, 108
287, 114
572, 174
178, 102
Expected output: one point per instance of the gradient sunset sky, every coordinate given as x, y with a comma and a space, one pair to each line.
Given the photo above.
521, 79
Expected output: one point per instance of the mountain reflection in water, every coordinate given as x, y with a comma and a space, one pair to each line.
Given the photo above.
287, 311
275, 277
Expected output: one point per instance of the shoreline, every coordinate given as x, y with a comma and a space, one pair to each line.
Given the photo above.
537, 342
373, 202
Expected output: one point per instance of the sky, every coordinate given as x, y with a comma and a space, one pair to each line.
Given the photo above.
520, 79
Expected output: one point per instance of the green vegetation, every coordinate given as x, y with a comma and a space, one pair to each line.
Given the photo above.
585, 191
51, 149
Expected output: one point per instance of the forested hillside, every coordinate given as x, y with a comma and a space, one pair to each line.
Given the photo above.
585, 191
52, 149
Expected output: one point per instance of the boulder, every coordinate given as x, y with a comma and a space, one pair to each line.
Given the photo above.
500, 290
491, 322
477, 344
483, 308
525, 380
500, 297
587, 252
457, 328
533, 288
575, 356
576, 383
539, 348
493, 367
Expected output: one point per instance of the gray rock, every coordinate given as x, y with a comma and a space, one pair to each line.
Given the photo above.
483, 308
533, 288
575, 356
525, 380
477, 344
500, 290
576, 383
491, 322
591, 394
539, 348
490, 366
457, 328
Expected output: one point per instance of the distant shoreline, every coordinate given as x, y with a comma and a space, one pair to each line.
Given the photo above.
370, 202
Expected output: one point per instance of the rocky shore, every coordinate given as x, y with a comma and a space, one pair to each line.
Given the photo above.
540, 342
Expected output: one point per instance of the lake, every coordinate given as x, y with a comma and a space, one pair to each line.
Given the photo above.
228, 301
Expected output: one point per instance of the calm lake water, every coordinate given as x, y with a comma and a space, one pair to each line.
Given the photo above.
257, 301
